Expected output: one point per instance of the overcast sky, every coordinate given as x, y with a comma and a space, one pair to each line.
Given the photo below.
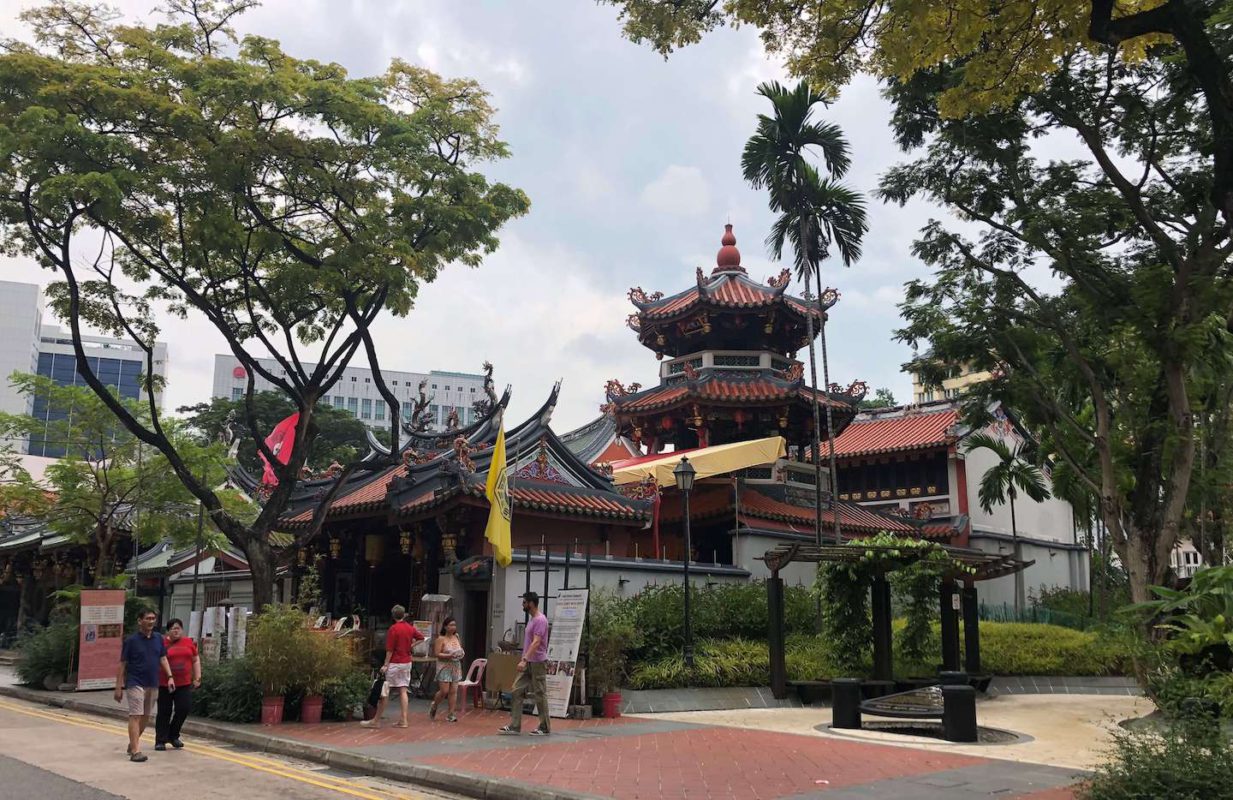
632, 164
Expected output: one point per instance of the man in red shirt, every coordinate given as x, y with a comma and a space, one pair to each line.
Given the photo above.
399, 640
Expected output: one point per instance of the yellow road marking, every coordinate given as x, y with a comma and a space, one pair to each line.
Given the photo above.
252, 762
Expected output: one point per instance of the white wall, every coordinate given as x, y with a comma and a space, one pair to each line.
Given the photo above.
1054, 567
21, 315
1050, 520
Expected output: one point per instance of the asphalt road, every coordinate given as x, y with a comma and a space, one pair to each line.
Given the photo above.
50, 754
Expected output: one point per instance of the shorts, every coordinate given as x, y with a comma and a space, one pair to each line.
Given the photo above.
141, 700
449, 672
398, 676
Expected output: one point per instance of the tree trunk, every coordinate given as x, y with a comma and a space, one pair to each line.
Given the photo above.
261, 567
1143, 569
1018, 552
830, 416
815, 454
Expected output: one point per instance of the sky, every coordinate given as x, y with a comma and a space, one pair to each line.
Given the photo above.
632, 164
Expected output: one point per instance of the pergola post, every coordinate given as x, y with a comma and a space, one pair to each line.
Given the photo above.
883, 657
971, 631
775, 636
949, 609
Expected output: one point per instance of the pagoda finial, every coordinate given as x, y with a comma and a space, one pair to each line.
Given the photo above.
729, 258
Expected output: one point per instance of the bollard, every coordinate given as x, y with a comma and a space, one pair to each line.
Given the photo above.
950, 678
846, 703
959, 713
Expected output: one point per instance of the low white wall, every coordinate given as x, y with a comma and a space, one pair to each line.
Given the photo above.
1055, 567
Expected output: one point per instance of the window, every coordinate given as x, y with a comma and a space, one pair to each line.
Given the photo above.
395, 383
380, 411
353, 379
366, 409
434, 386
339, 402
447, 388
368, 380
433, 411
406, 411
237, 393
353, 405
472, 390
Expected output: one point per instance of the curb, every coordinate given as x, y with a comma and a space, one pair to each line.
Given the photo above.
448, 780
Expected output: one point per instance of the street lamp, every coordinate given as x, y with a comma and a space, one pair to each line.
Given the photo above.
684, 474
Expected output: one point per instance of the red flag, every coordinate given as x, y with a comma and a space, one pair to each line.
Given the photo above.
280, 441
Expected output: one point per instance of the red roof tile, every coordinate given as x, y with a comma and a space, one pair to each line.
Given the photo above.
912, 431
727, 290
721, 391
851, 517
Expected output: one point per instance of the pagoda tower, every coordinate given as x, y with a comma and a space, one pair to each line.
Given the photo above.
728, 372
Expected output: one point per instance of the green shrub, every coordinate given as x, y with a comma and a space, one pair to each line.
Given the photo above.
718, 612
343, 694
229, 692
1022, 648
1189, 759
1170, 687
47, 651
277, 642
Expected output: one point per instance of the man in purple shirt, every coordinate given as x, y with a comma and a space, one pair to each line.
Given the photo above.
532, 671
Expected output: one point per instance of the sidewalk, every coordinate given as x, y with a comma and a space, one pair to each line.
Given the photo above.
629, 757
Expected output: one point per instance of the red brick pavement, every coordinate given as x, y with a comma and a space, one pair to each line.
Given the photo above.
704, 763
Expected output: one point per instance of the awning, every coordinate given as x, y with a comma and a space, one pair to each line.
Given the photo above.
718, 460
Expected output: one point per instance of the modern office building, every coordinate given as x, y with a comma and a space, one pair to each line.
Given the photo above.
27, 344
357, 394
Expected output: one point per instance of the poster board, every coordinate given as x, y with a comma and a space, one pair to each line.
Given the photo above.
568, 617
99, 638
237, 632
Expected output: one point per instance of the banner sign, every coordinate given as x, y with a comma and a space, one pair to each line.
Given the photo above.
237, 632
100, 637
568, 616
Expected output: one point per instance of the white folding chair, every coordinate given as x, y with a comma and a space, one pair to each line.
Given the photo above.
474, 680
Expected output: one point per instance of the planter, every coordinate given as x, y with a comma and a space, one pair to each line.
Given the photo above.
612, 705
310, 709
812, 693
272, 710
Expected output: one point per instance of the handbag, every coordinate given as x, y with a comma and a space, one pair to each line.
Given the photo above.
377, 691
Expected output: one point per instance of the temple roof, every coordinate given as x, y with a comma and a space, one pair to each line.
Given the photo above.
599, 442
737, 388
547, 477
661, 321
898, 430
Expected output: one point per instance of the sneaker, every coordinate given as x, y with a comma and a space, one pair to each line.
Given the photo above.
370, 723
432, 711
160, 747
177, 744
509, 731
539, 732
451, 718
138, 757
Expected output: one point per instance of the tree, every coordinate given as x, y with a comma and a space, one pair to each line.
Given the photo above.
882, 398
340, 436
1003, 482
814, 214
107, 485
1096, 290
999, 50
175, 168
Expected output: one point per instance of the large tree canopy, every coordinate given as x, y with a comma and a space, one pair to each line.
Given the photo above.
998, 50
1096, 290
173, 168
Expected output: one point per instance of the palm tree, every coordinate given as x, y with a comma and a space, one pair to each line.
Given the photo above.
815, 212
1003, 482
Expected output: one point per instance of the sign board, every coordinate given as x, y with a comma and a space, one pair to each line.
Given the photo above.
100, 636
568, 616
237, 632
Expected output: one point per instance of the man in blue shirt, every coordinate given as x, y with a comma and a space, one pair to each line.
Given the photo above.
142, 657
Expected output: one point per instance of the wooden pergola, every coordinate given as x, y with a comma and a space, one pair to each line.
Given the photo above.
970, 566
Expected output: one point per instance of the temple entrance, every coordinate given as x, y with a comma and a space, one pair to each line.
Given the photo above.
475, 623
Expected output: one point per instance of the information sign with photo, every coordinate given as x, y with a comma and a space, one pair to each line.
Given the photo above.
568, 617
100, 637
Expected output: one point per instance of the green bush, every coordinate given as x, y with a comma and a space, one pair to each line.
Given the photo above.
343, 694
1023, 648
47, 651
718, 612
1189, 759
229, 692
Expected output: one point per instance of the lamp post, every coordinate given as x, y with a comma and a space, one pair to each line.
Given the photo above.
684, 474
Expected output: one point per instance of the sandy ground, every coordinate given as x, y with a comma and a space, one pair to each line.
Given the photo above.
1064, 730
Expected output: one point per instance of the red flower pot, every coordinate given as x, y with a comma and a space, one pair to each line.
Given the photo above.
310, 709
612, 705
272, 710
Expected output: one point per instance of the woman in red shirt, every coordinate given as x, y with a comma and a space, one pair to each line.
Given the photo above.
173, 706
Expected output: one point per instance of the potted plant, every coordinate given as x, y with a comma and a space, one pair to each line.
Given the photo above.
276, 641
611, 636
326, 659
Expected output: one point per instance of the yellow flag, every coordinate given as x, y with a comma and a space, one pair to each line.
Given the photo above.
500, 510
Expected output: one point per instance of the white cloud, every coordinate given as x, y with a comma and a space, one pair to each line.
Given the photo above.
678, 191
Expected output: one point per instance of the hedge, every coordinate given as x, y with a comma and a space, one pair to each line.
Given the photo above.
1006, 649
